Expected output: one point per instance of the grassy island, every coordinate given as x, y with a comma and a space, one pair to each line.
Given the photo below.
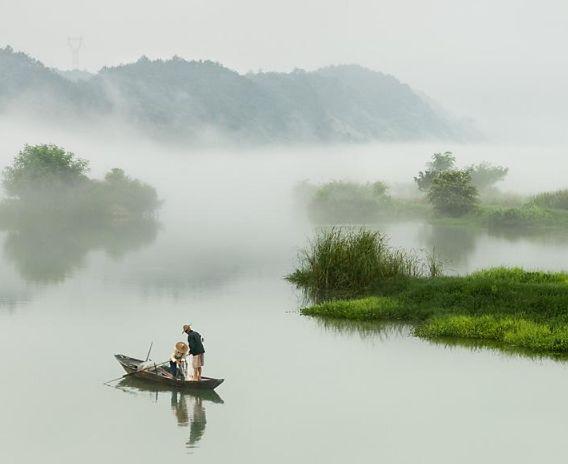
353, 274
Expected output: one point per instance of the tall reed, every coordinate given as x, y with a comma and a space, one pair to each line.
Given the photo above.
347, 261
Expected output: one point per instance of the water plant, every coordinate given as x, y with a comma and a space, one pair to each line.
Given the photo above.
347, 261
355, 275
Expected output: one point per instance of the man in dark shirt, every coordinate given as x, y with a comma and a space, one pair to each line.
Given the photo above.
196, 350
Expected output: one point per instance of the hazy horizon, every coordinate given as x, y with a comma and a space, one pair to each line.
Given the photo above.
501, 64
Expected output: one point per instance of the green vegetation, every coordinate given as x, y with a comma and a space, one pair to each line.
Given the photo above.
460, 197
514, 331
528, 309
181, 101
552, 200
55, 214
46, 180
484, 176
452, 193
349, 202
441, 162
349, 261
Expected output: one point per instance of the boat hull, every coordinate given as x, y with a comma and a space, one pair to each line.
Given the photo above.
162, 376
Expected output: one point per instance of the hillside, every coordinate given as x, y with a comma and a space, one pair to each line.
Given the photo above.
181, 100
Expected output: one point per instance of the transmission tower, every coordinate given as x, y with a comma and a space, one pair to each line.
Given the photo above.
75, 44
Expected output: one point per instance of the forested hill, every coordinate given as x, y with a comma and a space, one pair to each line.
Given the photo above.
183, 100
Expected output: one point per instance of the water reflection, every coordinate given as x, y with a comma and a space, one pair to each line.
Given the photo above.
188, 408
452, 245
367, 330
49, 251
502, 349
382, 331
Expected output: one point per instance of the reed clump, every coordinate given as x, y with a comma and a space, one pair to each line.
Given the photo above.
346, 261
553, 200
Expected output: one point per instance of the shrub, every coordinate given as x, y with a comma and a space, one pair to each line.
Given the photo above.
485, 175
41, 170
349, 202
441, 162
453, 194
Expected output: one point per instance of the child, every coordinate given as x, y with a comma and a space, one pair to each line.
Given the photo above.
178, 360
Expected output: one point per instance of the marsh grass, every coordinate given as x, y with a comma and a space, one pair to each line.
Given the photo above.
347, 261
513, 331
553, 200
525, 309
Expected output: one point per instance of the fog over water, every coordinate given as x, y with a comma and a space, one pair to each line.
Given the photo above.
229, 231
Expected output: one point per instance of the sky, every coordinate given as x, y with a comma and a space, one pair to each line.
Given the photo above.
502, 62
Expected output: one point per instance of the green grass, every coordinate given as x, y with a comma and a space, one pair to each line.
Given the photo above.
526, 309
346, 261
513, 331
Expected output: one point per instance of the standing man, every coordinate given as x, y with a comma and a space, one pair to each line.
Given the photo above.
196, 350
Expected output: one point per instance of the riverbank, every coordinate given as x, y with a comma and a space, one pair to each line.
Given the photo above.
512, 306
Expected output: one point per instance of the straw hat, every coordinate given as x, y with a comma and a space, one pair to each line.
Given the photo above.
182, 347
186, 327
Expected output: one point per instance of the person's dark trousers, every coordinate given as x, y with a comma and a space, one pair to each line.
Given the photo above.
173, 369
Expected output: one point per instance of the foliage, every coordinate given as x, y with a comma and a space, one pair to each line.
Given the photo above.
45, 179
523, 308
523, 217
348, 261
43, 169
485, 175
441, 162
349, 202
554, 200
453, 194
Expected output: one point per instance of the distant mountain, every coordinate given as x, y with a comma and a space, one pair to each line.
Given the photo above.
75, 75
182, 100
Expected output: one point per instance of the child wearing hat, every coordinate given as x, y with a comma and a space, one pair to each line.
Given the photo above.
178, 360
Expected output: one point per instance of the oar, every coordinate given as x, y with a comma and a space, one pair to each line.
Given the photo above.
135, 372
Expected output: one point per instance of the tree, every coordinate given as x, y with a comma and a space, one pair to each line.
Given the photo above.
43, 169
452, 193
441, 162
485, 175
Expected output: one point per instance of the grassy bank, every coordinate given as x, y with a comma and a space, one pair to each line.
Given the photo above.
359, 277
512, 306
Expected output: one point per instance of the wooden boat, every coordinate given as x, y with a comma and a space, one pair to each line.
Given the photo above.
163, 376
131, 384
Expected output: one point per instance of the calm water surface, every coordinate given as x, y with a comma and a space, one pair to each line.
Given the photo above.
296, 389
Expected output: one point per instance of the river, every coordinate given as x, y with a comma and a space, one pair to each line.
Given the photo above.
296, 389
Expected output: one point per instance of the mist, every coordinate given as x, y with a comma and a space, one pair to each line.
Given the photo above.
501, 64
311, 185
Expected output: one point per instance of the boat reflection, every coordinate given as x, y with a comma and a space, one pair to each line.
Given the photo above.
187, 407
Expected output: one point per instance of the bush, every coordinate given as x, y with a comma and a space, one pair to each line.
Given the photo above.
349, 202
41, 170
485, 175
453, 194
441, 162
